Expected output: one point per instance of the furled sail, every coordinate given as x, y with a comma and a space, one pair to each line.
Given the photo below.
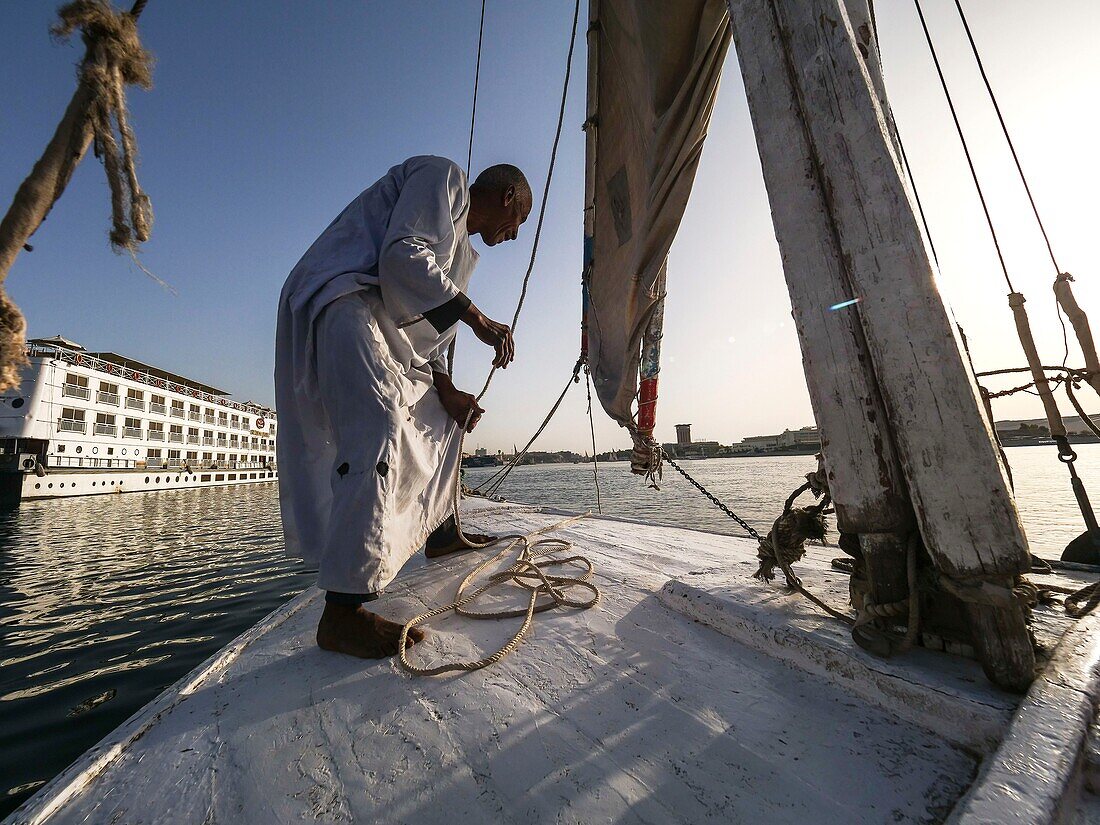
653, 76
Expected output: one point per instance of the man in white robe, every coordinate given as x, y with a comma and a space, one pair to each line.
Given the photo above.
369, 421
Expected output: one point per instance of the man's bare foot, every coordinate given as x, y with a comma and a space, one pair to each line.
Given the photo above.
456, 545
358, 632
445, 540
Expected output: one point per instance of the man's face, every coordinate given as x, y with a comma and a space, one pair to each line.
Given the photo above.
506, 218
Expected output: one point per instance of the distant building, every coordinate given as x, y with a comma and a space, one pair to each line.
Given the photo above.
1031, 426
805, 437
481, 451
761, 442
683, 435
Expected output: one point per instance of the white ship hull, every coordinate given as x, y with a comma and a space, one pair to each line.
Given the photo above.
108, 482
85, 423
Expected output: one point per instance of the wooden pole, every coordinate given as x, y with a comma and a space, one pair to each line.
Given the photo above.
1063, 292
865, 477
847, 229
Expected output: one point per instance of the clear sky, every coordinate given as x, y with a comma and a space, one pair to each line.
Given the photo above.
268, 116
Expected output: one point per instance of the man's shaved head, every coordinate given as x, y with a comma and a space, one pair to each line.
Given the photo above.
497, 179
500, 201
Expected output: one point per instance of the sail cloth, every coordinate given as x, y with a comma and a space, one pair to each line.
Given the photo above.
653, 76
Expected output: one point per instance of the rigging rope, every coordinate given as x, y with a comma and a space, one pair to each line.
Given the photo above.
592, 429
477, 79
1008, 137
965, 145
525, 568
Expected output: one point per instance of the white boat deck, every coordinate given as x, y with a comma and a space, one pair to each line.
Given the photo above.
629, 712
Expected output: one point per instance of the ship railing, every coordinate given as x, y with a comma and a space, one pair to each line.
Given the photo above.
84, 359
159, 409
156, 435
192, 439
176, 412
222, 442
106, 429
131, 432
70, 426
208, 442
193, 416
107, 398
85, 462
135, 404
208, 419
176, 437
75, 391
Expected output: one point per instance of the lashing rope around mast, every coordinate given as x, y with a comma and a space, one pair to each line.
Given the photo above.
528, 569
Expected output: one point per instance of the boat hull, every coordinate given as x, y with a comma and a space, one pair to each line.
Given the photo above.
17, 487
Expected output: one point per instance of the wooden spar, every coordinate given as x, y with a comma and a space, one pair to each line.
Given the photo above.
1064, 294
803, 66
865, 477
590, 137
1038, 374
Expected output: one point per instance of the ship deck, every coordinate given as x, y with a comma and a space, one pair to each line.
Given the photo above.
691, 693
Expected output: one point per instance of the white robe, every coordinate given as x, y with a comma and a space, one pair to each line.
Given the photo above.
353, 377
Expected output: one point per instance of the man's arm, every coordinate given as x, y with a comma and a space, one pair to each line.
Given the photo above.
456, 402
496, 335
421, 227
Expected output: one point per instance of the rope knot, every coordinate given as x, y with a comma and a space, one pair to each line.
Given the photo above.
785, 543
115, 58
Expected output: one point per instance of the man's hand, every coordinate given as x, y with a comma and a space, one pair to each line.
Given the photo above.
498, 336
456, 402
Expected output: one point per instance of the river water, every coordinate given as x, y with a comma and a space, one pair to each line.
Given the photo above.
107, 600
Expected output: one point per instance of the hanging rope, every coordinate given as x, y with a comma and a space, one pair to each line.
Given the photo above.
525, 569
114, 57
470, 152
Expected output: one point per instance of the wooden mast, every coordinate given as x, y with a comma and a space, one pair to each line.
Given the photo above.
900, 414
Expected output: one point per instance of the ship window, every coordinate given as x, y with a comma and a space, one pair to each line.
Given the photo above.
204, 477
95, 450
146, 479
219, 477
79, 449
61, 448
110, 451
76, 380
72, 420
17, 403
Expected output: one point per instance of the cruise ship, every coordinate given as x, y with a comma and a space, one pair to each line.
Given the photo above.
93, 423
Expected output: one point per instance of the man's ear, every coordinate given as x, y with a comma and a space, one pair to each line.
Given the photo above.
509, 195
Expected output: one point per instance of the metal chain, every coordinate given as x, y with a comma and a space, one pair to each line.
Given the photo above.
744, 524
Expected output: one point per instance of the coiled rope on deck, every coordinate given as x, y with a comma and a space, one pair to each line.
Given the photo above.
528, 571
